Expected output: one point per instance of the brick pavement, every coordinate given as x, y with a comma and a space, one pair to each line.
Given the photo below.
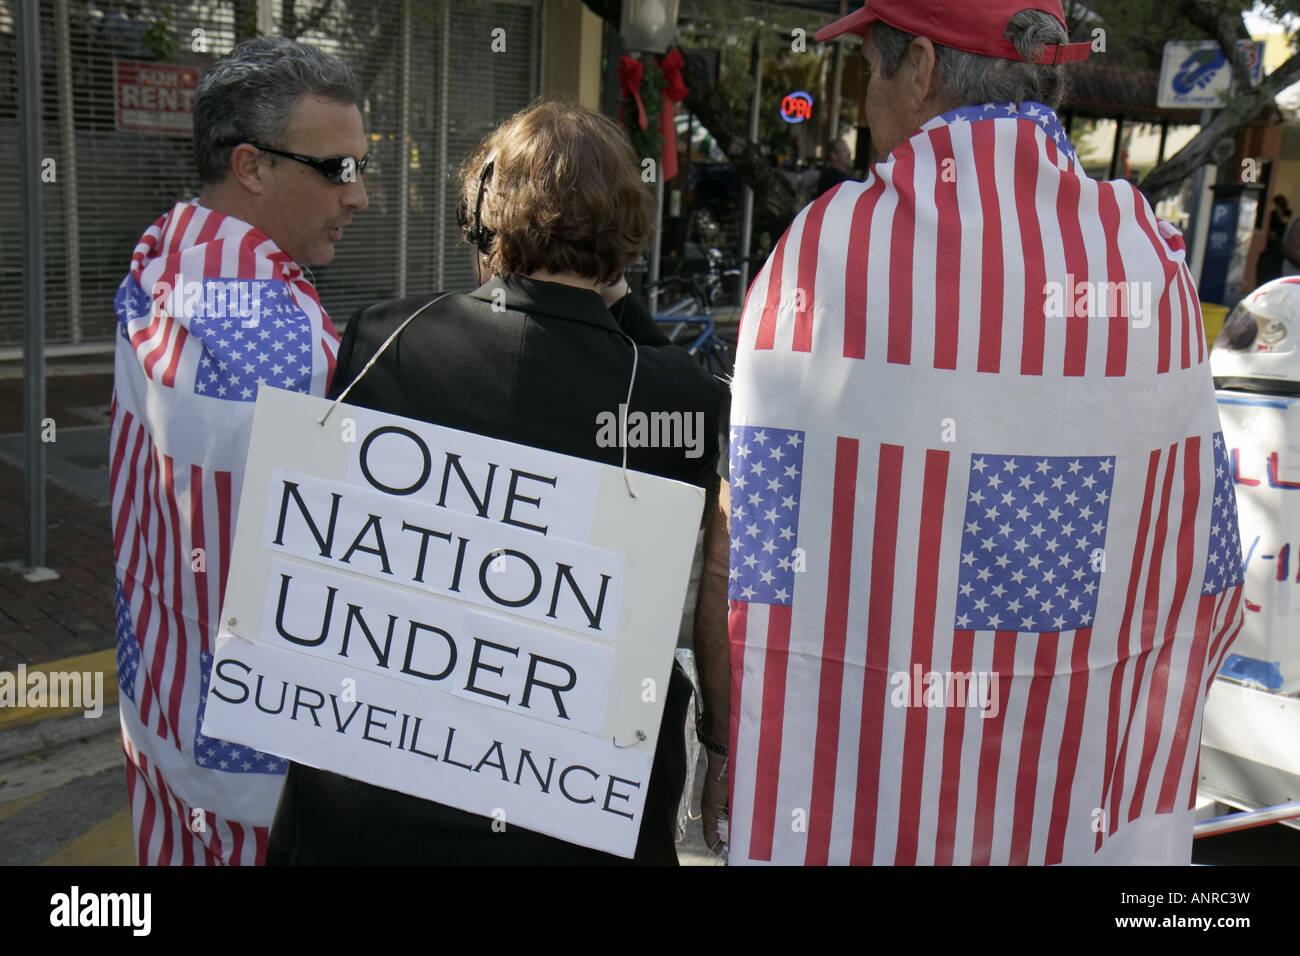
48, 620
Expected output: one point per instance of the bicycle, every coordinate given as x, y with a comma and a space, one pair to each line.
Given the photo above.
690, 308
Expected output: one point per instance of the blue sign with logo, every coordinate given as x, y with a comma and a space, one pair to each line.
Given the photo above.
1196, 74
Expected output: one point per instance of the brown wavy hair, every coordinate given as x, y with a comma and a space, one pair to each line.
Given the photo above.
564, 194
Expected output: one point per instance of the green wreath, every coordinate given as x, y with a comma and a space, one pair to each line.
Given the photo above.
649, 141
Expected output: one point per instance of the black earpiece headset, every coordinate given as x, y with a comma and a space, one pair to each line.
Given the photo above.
476, 233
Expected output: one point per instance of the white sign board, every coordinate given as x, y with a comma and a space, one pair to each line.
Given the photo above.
1262, 433
1196, 74
467, 620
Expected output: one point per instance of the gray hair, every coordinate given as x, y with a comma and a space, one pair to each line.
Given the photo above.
249, 95
970, 79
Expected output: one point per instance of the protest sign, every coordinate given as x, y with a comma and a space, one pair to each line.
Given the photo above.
1260, 431
480, 623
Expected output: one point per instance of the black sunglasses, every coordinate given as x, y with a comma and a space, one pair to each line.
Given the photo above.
337, 169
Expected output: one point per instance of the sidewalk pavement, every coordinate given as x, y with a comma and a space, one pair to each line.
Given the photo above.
62, 790
62, 787
46, 620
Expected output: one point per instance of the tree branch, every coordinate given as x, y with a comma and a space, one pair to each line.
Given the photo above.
1227, 28
775, 203
245, 17
1168, 177
314, 20
774, 199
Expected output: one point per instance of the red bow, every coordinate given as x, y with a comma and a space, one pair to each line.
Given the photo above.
629, 80
671, 65
674, 92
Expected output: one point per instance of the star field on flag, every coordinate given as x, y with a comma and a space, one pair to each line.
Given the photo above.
273, 346
1040, 114
1223, 568
1031, 529
128, 648
131, 304
218, 754
766, 476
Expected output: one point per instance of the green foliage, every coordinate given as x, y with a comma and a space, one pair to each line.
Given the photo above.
648, 141
1137, 30
160, 36
245, 17
731, 26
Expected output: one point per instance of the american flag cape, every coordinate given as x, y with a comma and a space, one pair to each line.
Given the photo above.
210, 309
984, 549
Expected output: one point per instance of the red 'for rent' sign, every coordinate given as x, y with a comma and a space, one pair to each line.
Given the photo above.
155, 97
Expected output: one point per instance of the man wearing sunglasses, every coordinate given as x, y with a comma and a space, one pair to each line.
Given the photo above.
294, 203
216, 304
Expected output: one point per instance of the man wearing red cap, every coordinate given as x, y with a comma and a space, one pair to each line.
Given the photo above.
983, 543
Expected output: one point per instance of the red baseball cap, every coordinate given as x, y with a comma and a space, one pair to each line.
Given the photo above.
975, 26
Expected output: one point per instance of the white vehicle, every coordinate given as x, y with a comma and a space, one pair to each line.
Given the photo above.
1250, 740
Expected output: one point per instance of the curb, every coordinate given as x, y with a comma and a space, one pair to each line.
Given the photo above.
105, 662
47, 734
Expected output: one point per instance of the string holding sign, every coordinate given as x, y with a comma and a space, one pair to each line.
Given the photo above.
378, 352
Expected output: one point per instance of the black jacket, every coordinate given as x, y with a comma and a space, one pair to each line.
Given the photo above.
533, 363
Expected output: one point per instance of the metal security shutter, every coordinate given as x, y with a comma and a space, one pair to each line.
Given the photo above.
109, 185
428, 75
439, 76
483, 89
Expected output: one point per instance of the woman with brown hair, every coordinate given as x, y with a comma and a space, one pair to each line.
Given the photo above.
555, 210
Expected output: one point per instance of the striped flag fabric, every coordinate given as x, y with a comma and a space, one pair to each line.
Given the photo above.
210, 311
1014, 565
